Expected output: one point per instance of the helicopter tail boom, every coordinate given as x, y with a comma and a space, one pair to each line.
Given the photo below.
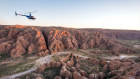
19, 14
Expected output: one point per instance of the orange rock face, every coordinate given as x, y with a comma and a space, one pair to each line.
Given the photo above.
31, 49
5, 48
18, 40
18, 51
44, 40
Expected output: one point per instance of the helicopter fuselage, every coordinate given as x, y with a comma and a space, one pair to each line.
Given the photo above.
31, 17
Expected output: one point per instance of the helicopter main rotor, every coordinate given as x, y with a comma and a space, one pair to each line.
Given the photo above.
31, 12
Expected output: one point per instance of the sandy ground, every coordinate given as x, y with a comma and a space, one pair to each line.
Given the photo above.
81, 56
120, 57
136, 46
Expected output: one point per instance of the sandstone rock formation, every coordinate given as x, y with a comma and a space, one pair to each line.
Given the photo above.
67, 70
117, 34
18, 40
115, 69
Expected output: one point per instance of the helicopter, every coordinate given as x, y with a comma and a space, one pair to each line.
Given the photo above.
28, 16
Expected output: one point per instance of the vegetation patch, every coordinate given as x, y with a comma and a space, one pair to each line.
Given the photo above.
15, 68
32, 75
16, 65
4, 56
87, 66
136, 59
130, 42
50, 73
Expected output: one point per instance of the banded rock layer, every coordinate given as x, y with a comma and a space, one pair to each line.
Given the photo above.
18, 40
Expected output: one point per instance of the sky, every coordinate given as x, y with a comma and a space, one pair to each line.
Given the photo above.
107, 14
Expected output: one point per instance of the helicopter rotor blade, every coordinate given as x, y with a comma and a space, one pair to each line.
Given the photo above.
34, 11
30, 12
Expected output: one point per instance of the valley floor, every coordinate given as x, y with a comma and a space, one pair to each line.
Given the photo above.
27, 69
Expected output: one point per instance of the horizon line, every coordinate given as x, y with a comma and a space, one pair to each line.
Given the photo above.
71, 27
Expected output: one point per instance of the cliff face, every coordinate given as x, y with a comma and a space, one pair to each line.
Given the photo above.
18, 40
117, 34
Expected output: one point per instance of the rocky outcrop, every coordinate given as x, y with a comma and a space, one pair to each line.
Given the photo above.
17, 51
18, 40
76, 75
67, 68
60, 40
5, 47
117, 34
120, 69
103, 69
57, 77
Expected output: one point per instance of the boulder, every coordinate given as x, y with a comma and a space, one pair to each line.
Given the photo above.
76, 75
73, 69
93, 76
77, 66
94, 61
70, 63
101, 75
84, 78
83, 73
58, 64
68, 74
57, 77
